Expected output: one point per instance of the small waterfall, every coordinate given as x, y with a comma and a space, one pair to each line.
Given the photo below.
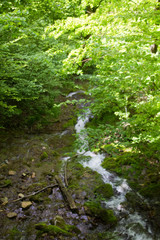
133, 226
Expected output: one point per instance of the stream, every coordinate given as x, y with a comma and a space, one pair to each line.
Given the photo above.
133, 226
30, 161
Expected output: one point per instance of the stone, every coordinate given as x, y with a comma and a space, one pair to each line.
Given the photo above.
26, 204
33, 175
21, 195
11, 173
11, 214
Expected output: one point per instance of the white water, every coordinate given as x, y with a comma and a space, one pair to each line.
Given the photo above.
74, 93
133, 226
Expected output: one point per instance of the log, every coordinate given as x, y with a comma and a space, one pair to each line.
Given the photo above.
68, 198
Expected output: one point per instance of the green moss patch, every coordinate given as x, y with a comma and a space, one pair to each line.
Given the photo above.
95, 209
141, 173
152, 190
105, 190
60, 229
14, 233
51, 229
82, 179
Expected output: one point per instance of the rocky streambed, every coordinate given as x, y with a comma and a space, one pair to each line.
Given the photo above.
33, 205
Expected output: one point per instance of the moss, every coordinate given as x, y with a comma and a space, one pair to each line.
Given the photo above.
106, 117
151, 190
105, 190
102, 235
129, 165
55, 153
59, 222
43, 156
70, 123
51, 229
95, 209
37, 186
41, 197
142, 174
82, 179
5, 183
14, 234
107, 235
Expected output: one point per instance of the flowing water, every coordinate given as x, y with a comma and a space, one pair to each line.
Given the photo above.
24, 153
133, 226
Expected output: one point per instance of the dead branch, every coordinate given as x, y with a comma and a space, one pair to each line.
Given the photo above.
34, 193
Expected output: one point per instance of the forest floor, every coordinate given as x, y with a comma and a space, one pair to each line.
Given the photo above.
30, 162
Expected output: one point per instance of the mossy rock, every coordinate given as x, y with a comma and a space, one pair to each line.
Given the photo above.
59, 222
105, 190
82, 179
51, 229
95, 209
60, 228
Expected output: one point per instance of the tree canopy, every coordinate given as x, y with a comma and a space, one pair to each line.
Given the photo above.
46, 45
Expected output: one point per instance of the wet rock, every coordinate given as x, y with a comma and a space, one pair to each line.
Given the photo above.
11, 215
84, 218
26, 204
11, 173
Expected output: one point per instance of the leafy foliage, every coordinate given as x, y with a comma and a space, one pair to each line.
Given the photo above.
46, 44
110, 48
31, 62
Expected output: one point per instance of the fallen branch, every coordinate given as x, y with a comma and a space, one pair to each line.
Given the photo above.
66, 194
34, 193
